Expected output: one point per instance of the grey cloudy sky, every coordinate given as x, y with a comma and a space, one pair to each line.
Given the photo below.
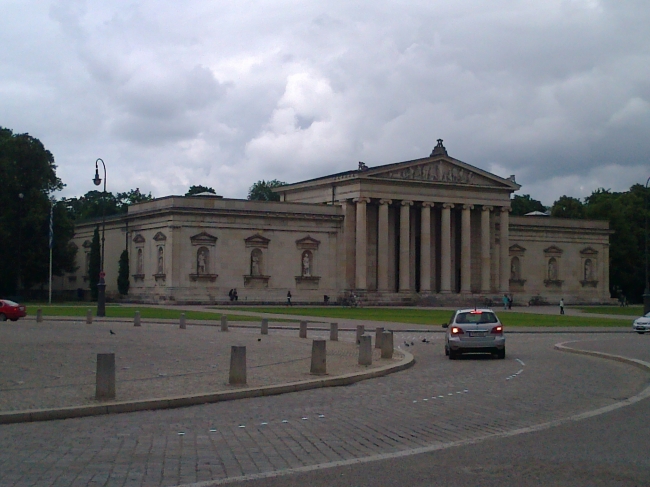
223, 94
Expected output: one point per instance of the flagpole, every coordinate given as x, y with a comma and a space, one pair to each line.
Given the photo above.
51, 239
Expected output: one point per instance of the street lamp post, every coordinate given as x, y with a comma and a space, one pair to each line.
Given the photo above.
19, 283
101, 285
646, 292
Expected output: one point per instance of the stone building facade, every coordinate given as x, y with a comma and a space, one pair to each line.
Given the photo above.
433, 229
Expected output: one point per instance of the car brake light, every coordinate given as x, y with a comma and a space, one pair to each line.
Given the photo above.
457, 331
497, 330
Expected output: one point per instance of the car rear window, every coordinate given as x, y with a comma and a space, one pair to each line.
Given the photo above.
476, 317
9, 303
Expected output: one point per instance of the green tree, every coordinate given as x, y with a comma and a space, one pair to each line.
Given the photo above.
568, 207
263, 190
123, 274
525, 204
28, 176
96, 203
626, 213
199, 189
124, 200
95, 264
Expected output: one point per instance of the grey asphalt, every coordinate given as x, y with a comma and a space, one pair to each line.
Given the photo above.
436, 404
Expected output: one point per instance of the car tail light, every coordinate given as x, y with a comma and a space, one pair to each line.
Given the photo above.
457, 331
497, 330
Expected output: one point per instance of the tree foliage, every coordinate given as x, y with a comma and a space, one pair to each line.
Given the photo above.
95, 264
199, 189
95, 203
28, 176
568, 207
263, 190
123, 274
525, 204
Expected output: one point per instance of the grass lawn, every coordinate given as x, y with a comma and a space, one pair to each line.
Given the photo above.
116, 311
635, 310
434, 317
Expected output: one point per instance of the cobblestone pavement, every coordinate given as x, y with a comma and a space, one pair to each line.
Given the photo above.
436, 402
53, 364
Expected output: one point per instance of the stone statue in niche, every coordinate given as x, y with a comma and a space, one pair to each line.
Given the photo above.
202, 260
589, 270
140, 266
161, 261
514, 269
255, 263
552, 269
306, 264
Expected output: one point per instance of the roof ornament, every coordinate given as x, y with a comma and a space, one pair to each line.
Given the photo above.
362, 166
512, 178
439, 150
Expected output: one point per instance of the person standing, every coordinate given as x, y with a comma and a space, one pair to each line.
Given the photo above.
288, 298
561, 306
505, 302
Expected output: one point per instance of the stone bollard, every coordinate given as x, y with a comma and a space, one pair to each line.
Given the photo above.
360, 331
89, 317
265, 326
136, 319
387, 344
105, 379
224, 323
365, 350
182, 322
303, 329
39, 315
318, 357
334, 332
237, 365
378, 335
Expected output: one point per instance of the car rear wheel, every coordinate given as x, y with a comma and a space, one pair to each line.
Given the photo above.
501, 354
640, 332
454, 354
3, 317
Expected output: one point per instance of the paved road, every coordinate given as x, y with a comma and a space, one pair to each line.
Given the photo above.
436, 404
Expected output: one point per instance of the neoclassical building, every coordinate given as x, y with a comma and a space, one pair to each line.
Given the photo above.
434, 230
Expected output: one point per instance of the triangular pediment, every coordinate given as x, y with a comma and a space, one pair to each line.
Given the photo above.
307, 242
203, 238
517, 249
441, 170
257, 240
87, 244
138, 238
589, 252
160, 237
553, 250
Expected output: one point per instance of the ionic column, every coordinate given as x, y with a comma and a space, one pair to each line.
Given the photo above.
504, 254
425, 247
445, 248
485, 249
404, 246
466, 251
361, 249
382, 246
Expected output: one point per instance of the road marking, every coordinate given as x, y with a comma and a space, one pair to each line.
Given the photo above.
644, 394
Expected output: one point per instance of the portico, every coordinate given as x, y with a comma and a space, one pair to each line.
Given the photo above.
432, 226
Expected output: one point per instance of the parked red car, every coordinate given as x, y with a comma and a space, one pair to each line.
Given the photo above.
12, 311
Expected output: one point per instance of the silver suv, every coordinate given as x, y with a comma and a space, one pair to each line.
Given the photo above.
474, 330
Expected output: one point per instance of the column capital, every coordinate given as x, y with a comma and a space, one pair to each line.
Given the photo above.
362, 199
407, 203
487, 208
429, 204
385, 202
468, 207
505, 209
448, 205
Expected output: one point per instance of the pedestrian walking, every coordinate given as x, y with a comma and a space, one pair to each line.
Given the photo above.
505, 302
562, 306
289, 298
234, 294
510, 299
230, 295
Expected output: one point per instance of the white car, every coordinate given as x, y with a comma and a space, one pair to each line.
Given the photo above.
641, 325
474, 331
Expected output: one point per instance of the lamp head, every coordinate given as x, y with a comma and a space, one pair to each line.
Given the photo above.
97, 180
